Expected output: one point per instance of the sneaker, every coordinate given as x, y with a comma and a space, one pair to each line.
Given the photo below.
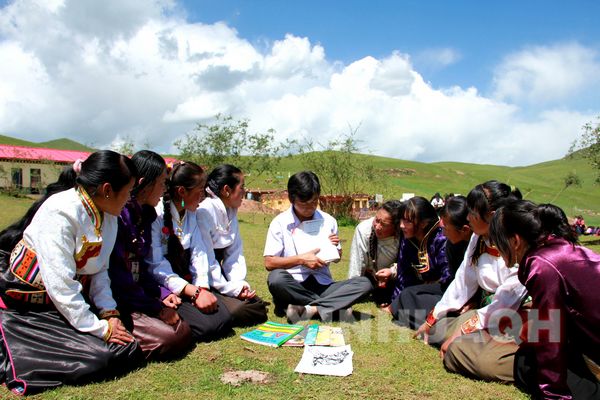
295, 313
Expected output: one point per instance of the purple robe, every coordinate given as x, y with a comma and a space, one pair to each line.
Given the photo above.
140, 293
439, 270
566, 278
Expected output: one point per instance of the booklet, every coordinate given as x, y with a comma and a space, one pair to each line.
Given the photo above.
330, 336
324, 360
313, 234
272, 334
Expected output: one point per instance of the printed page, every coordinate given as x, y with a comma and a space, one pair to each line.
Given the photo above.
313, 234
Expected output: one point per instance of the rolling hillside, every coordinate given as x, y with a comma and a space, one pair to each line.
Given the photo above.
542, 182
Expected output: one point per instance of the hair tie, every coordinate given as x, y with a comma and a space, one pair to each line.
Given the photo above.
210, 193
77, 166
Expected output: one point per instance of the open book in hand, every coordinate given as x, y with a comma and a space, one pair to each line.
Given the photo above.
314, 234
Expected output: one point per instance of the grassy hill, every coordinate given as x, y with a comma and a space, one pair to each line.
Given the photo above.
59, 144
542, 182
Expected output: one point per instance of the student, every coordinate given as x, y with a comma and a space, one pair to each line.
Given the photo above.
422, 256
179, 261
422, 298
302, 282
217, 219
562, 347
156, 325
374, 250
467, 346
55, 289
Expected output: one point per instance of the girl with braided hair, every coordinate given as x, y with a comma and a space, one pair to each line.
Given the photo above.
179, 261
54, 286
218, 222
374, 250
468, 346
422, 256
154, 323
418, 300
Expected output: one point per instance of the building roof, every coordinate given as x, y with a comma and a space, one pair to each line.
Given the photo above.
38, 153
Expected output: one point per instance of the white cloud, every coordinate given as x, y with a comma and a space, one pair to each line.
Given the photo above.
547, 73
438, 57
99, 73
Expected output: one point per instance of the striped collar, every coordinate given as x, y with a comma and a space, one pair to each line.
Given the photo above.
96, 216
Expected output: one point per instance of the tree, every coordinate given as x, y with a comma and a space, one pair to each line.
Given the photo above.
588, 145
571, 179
125, 147
227, 140
341, 169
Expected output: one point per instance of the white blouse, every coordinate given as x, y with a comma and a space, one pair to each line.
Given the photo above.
387, 251
220, 230
492, 275
186, 229
73, 239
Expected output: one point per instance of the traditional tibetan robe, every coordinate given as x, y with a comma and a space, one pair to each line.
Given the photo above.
563, 281
56, 292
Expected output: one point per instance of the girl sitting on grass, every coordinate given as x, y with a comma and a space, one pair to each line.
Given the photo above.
179, 260
58, 319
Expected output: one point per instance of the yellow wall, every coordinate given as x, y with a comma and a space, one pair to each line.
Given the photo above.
49, 173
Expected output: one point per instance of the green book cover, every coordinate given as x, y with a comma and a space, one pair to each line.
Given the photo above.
272, 334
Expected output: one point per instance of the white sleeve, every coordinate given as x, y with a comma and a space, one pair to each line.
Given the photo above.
234, 262
462, 288
509, 295
53, 240
274, 245
159, 266
358, 255
100, 292
199, 262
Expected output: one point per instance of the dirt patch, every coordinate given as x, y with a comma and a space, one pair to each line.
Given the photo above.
236, 378
252, 206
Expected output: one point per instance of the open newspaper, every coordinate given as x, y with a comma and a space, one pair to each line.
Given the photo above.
313, 234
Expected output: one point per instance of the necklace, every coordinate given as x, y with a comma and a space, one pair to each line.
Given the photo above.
422, 257
179, 219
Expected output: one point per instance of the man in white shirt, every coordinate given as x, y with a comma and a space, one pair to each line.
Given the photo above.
301, 282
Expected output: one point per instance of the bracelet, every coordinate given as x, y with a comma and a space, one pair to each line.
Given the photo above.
430, 321
194, 297
108, 333
109, 314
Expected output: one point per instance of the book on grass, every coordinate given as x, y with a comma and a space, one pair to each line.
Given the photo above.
314, 234
298, 340
272, 334
330, 336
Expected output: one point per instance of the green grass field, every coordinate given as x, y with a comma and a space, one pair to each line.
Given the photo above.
388, 364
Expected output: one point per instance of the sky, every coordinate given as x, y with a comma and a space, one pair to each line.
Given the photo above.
506, 83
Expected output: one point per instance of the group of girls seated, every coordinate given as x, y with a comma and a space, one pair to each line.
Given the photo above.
502, 289
117, 264
124, 260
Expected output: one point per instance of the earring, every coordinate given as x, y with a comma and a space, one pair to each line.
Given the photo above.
227, 194
107, 196
182, 203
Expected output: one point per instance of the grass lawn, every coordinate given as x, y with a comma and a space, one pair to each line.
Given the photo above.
388, 364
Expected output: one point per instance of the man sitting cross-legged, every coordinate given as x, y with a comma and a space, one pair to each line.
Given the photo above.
301, 282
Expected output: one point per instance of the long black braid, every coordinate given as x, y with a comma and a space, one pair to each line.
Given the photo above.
396, 209
188, 175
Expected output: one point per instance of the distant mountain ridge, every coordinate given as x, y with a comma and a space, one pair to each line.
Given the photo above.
58, 144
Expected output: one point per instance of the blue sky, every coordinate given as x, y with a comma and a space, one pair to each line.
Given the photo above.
470, 81
480, 32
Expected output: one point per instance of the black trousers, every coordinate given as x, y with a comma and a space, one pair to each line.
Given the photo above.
581, 382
